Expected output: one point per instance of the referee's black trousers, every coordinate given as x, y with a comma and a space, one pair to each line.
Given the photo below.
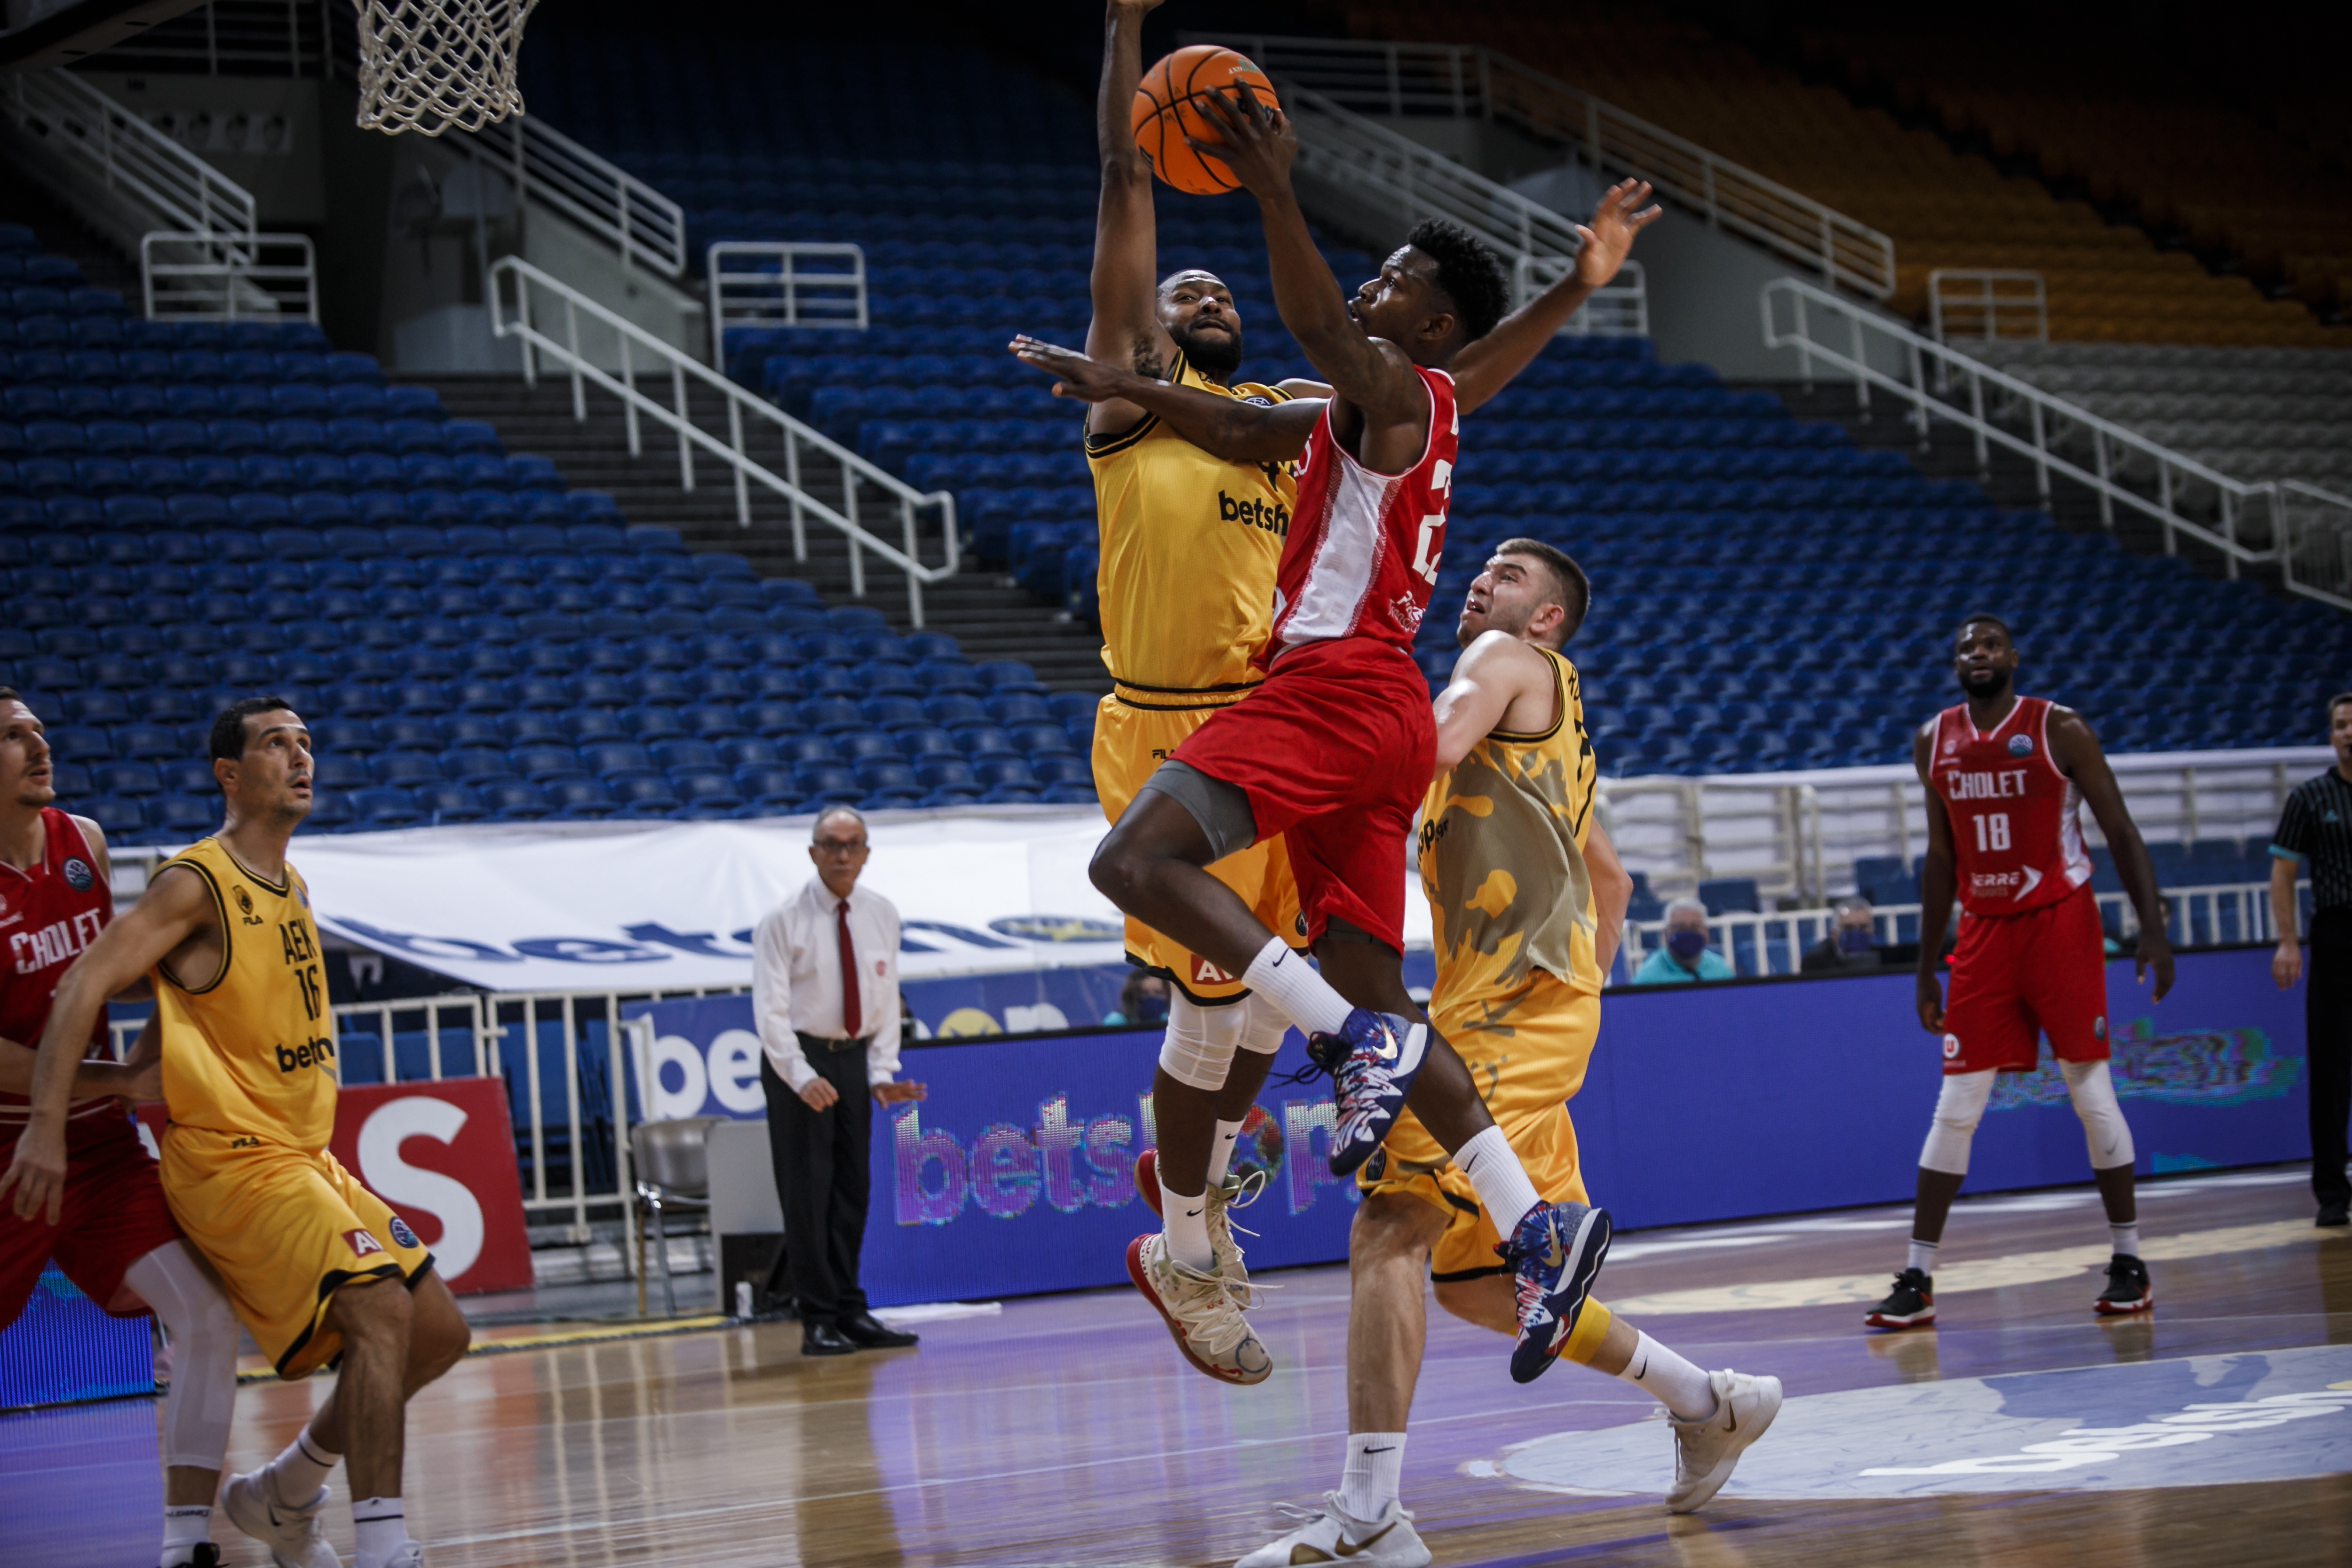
821, 1180
2327, 1030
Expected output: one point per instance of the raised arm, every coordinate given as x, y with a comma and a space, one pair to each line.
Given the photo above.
1126, 327
1937, 883
171, 910
1481, 370
2076, 752
1493, 672
1225, 427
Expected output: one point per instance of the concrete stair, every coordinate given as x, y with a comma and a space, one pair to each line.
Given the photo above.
983, 612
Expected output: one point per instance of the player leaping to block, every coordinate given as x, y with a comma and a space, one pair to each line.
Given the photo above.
2007, 778
316, 1265
1332, 750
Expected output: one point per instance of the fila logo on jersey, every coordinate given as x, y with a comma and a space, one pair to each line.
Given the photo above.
1275, 519
35, 951
78, 874
245, 903
2021, 745
362, 1243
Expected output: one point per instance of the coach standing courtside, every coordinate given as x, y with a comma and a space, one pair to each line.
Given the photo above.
825, 988
2316, 829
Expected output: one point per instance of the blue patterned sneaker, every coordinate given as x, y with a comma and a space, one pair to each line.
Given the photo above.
1372, 1060
1556, 1251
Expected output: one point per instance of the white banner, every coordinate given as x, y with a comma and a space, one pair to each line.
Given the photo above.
670, 906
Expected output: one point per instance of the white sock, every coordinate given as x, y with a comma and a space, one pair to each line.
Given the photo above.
1922, 1255
2127, 1238
187, 1526
1670, 1380
381, 1527
1185, 1223
1286, 979
1501, 1180
1375, 1470
1220, 1152
296, 1474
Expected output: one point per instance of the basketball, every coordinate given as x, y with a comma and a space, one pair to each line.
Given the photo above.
1168, 108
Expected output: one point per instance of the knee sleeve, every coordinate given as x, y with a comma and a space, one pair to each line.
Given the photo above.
1263, 1025
1959, 1108
1198, 1048
2108, 1136
202, 1332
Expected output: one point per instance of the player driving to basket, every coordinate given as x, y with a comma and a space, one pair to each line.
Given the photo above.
1332, 749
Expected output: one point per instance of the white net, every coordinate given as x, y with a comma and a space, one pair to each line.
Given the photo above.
429, 65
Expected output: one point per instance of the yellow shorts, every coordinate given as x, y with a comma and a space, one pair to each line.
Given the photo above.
286, 1230
1528, 1051
1130, 743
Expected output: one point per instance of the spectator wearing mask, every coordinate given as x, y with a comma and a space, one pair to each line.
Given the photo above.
1852, 944
1685, 956
1142, 1000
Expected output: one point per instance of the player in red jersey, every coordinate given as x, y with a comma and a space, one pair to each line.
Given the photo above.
1334, 748
114, 1238
2007, 778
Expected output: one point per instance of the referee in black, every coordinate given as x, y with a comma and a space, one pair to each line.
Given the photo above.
2315, 830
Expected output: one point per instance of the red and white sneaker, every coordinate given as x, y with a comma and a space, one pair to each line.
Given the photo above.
1201, 1313
2127, 1290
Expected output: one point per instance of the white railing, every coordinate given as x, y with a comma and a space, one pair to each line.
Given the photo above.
1986, 305
2241, 520
2316, 543
100, 141
1465, 82
189, 277
515, 284
759, 283
1619, 311
1397, 176
642, 226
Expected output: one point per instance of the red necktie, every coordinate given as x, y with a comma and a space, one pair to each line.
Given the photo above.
852, 1017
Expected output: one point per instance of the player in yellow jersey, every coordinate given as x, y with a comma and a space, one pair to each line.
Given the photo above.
316, 1265
1527, 904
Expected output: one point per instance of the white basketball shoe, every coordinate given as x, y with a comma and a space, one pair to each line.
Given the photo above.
1705, 1451
1335, 1535
292, 1534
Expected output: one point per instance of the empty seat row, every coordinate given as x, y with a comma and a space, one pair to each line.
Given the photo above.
179, 437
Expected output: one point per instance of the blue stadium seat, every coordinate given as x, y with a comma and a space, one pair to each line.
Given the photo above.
384, 807
644, 796
516, 802
450, 802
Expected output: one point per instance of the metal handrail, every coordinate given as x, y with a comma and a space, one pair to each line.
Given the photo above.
1994, 297
642, 226
192, 277
1619, 311
1337, 145
745, 409
1965, 389
1464, 81
129, 156
756, 298
2315, 552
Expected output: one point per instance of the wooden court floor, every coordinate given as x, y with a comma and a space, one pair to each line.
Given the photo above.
1065, 1430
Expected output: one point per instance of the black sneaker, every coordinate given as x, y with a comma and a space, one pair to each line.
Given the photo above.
2127, 1289
1910, 1305
2330, 1217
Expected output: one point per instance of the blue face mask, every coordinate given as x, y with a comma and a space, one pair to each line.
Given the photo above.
1854, 940
1151, 1009
1686, 944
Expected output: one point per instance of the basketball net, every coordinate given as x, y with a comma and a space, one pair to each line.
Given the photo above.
429, 65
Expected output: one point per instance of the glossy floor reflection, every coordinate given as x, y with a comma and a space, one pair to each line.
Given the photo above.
1065, 1431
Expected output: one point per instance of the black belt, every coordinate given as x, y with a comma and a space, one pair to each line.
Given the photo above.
822, 1043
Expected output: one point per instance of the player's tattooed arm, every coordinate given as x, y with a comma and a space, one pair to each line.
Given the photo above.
1224, 426
1937, 885
1124, 282
171, 918
2076, 752
1481, 370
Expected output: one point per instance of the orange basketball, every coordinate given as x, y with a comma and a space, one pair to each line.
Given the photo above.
1167, 110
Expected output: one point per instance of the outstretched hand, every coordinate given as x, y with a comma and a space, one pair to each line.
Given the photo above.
1611, 232
1257, 140
1075, 375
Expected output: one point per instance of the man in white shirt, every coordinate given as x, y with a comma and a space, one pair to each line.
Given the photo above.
824, 989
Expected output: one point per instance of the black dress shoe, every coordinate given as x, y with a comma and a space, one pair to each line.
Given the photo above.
824, 1338
870, 1333
2330, 1215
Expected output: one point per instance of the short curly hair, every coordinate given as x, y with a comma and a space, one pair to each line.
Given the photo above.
1469, 270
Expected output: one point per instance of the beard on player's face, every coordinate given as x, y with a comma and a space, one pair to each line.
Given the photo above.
1215, 355
1985, 680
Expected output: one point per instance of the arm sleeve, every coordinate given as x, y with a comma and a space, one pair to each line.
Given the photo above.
882, 1056
2293, 839
772, 1002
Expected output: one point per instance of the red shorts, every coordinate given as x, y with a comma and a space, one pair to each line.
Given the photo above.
1333, 750
114, 1216
2015, 977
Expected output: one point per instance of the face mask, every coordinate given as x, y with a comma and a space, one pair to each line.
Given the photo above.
1686, 944
1853, 940
1152, 1009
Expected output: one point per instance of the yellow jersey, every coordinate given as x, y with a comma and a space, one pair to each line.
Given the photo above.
252, 1053
1190, 542
1502, 860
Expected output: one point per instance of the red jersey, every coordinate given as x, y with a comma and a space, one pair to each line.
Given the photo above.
47, 915
2017, 831
1362, 556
